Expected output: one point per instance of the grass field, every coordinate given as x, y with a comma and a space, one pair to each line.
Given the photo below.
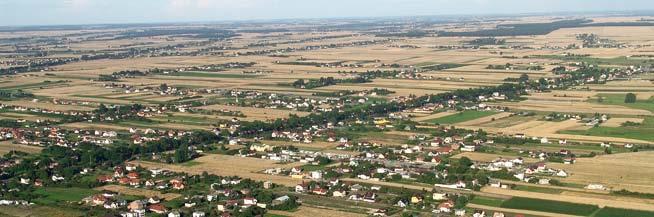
616, 212
53, 195
487, 201
618, 99
227, 165
7, 146
625, 61
461, 117
138, 192
641, 132
549, 206
538, 189
36, 210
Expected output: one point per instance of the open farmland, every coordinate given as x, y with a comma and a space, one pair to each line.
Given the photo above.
394, 116
630, 171
225, 165
138, 192
8, 146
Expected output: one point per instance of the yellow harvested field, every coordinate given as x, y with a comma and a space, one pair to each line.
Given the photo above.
631, 171
139, 192
486, 157
484, 120
306, 210
29, 117
89, 125
314, 145
563, 95
550, 129
256, 113
617, 122
7, 146
434, 116
47, 105
227, 165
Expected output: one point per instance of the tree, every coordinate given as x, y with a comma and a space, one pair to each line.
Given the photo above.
181, 154
630, 98
524, 77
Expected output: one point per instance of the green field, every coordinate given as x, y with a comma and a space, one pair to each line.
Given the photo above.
641, 132
549, 206
624, 61
461, 117
616, 212
53, 195
618, 99
538, 189
487, 201
212, 75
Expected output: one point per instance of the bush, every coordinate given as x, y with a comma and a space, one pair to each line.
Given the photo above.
630, 98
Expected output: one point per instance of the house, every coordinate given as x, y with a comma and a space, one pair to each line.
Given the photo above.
280, 200
319, 191
177, 184
98, 199
445, 207
544, 181
595, 187
154, 200
370, 197
439, 196
133, 175
460, 212
157, 208
249, 201
495, 183
380, 212
174, 214
136, 205
416, 199
198, 214
301, 188
498, 214
104, 178
468, 148
480, 213
339, 193
130, 167
56, 178
402, 203
544, 140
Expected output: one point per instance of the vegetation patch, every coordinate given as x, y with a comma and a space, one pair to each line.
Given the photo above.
55, 194
549, 206
617, 212
487, 201
641, 132
538, 189
624, 100
461, 117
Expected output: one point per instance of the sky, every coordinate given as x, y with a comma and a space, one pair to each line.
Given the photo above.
56, 12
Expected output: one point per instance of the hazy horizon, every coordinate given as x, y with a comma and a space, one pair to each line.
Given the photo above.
69, 12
